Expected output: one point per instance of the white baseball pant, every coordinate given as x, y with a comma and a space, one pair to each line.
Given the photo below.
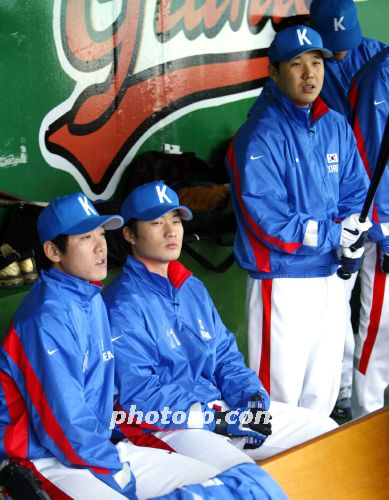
296, 330
290, 427
371, 372
157, 473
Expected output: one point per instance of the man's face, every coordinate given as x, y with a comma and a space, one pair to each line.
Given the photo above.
85, 256
157, 242
300, 79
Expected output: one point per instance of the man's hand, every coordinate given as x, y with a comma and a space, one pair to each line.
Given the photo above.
260, 401
351, 262
251, 422
353, 231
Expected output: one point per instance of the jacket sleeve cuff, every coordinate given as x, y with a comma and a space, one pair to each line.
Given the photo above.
311, 233
200, 417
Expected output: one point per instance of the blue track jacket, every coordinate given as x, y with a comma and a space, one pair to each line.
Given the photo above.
338, 76
171, 348
57, 378
294, 173
369, 98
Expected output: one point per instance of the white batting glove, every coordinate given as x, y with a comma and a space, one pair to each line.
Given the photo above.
352, 230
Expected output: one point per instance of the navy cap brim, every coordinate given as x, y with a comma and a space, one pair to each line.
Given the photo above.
156, 212
338, 41
110, 222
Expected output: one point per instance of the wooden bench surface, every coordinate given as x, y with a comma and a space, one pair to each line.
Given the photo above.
351, 462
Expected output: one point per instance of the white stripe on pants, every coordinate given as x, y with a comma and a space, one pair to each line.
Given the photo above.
307, 330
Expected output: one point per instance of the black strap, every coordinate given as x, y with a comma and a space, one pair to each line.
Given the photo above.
20, 483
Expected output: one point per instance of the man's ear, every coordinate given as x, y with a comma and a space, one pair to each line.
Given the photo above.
51, 251
273, 72
128, 235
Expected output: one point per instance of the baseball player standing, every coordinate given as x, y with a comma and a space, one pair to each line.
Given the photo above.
337, 22
295, 173
57, 382
370, 98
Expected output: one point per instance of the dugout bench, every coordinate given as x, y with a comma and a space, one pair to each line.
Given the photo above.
348, 463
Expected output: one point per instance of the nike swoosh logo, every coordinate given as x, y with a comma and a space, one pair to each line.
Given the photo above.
252, 157
355, 232
115, 338
378, 102
52, 352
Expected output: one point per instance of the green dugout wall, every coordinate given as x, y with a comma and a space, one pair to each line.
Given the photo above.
89, 84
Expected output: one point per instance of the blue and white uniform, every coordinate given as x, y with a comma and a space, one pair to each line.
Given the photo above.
295, 172
57, 390
370, 100
173, 352
338, 75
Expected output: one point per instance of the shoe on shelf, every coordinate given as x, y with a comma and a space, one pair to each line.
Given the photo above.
342, 407
28, 267
10, 274
25, 262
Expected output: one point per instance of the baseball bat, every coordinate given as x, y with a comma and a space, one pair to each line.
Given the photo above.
382, 160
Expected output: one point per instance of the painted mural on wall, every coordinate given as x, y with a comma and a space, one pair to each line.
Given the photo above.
137, 65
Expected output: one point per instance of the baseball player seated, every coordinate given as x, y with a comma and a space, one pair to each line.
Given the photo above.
181, 379
57, 386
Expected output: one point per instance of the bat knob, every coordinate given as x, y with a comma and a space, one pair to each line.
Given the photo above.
344, 275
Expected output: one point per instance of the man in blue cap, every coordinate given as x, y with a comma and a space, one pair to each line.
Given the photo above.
175, 359
298, 184
337, 22
371, 367
57, 381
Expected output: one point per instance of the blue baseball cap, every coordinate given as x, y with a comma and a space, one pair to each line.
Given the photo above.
152, 200
73, 214
294, 41
337, 23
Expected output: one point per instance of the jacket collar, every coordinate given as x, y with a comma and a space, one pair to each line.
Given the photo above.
81, 290
177, 273
318, 109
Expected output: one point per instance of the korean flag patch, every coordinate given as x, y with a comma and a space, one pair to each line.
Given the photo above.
332, 158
